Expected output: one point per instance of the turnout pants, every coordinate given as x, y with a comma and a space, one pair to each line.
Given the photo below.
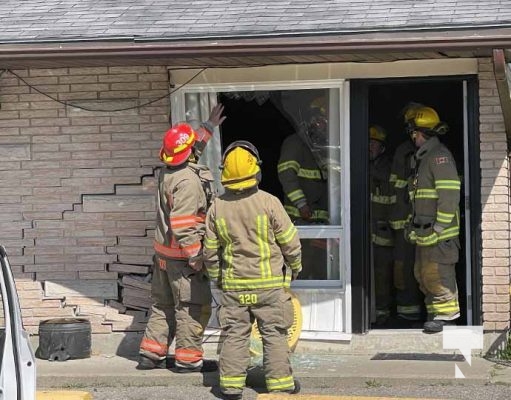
181, 309
409, 299
436, 274
382, 260
273, 311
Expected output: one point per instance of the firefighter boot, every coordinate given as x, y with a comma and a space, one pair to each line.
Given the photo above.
232, 396
437, 325
145, 363
207, 366
295, 390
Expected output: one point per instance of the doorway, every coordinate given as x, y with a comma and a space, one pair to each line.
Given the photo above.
382, 102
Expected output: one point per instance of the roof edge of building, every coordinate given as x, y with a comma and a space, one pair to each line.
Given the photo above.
206, 47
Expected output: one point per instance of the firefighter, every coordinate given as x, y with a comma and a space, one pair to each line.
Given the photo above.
302, 174
252, 251
382, 199
434, 226
180, 287
408, 297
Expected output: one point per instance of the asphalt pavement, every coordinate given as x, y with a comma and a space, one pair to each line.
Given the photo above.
413, 365
320, 374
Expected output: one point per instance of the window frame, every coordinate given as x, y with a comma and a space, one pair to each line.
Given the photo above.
339, 232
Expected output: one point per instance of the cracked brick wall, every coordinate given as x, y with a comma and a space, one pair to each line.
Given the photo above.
78, 185
77, 199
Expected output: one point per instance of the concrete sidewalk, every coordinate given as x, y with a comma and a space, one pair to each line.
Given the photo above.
314, 370
409, 356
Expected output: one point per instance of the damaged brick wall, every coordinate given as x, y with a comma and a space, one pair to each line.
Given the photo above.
77, 205
78, 185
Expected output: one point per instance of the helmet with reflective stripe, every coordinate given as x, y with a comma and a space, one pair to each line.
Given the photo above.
409, 111
427, 120
240, 166
426, 117
178, 144
377, 133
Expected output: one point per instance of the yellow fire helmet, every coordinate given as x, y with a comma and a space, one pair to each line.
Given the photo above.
377, 133
427, 120
410, 110
240, 166
319, 105
426, 117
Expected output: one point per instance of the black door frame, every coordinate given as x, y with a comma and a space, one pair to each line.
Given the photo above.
360, 235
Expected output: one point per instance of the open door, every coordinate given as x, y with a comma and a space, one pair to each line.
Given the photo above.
18, 374
381, 101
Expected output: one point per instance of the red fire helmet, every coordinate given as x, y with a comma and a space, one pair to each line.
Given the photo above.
177, 144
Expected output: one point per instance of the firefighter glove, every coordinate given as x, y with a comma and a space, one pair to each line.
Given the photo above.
409, 233
196, 262
294, 274
305, 212
438, 228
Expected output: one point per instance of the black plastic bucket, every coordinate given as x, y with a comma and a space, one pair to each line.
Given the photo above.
64, 339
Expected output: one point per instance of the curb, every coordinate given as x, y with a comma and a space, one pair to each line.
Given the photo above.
211, 380
325, 397
321, 397
62, 395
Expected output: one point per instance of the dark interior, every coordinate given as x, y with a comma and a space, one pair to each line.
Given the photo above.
265, 126
386, 103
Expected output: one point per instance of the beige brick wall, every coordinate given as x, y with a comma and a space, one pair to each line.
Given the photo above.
78, 185
494, 204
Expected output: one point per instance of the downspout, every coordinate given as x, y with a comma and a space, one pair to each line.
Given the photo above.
500, 69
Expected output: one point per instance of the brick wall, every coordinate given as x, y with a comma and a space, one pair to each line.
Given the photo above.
77, 201
78, 186
495, 204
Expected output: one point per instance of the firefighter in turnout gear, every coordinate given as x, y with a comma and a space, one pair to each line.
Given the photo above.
180, 287
302, 175
408, 297
435, 224
382, 200
252, 251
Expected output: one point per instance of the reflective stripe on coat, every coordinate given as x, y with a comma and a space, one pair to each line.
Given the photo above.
249, 237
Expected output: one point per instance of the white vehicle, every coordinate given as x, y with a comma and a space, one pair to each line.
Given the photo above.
18, 372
